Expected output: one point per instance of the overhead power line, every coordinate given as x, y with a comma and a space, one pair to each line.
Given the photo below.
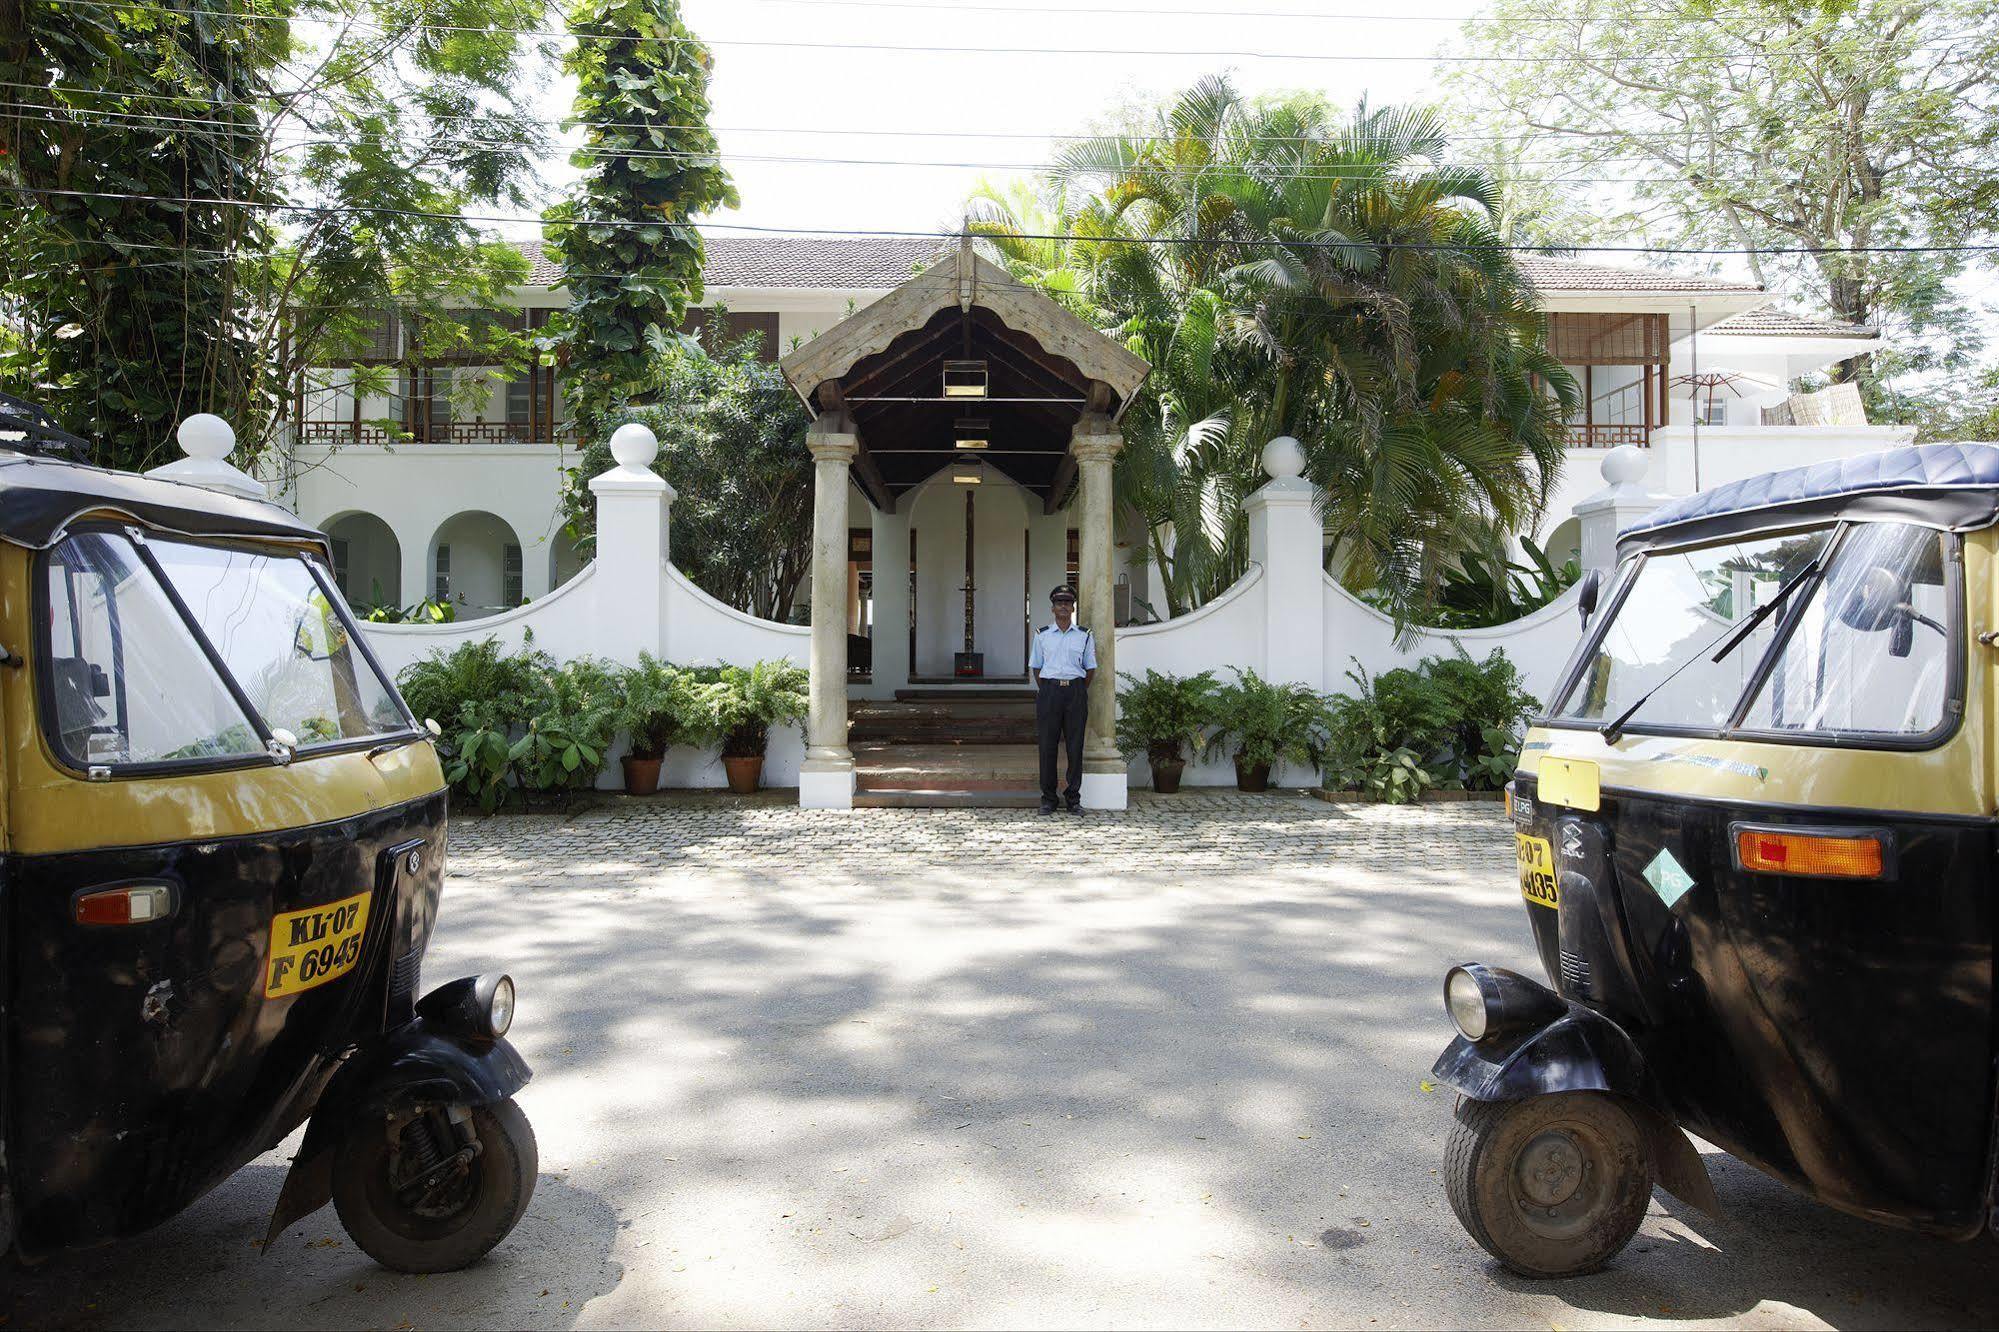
1263, 170
925, 48
911, 234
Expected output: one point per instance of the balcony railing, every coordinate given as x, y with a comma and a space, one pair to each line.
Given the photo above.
433, 432
1579, 436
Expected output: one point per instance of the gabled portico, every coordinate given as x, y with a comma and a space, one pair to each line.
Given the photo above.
961, 379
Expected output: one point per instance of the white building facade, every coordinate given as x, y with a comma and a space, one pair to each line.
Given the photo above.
449, 489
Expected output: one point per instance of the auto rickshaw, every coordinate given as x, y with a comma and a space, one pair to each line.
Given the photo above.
223, 844
1755, 836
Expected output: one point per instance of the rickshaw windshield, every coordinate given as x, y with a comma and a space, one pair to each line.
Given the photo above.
179, 653
1862, 649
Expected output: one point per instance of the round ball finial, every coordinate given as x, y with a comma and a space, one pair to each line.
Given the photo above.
634, 446
1283, 458
1624, 465
206, 435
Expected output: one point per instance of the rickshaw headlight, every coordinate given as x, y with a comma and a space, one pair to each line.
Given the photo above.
500, 1008
1465, 1001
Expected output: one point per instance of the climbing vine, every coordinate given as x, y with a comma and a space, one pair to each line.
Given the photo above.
626, 237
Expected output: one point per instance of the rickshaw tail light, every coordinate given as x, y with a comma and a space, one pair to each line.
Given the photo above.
1814, 855
132, 904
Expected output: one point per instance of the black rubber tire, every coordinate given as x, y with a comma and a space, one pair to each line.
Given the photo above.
1580, 1233
504, 1181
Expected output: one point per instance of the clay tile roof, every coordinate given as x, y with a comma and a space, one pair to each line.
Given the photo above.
790, 261
1774, 321
1548, 275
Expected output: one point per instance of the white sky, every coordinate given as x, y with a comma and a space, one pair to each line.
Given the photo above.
954, 93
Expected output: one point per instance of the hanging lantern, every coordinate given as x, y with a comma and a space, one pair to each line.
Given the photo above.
971, 432
964, 379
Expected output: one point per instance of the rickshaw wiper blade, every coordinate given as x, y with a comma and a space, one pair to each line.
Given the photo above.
1767, 609
1615, 729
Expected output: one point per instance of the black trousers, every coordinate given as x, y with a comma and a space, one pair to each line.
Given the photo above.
1061, 709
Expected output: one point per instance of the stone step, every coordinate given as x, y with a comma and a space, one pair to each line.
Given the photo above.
947, 800
966, 694
946, 767
953, 722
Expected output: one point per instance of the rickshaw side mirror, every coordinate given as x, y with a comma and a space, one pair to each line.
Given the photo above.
100, 683
1592, 584
1902, 637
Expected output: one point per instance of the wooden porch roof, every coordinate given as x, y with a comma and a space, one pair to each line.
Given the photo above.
884, 367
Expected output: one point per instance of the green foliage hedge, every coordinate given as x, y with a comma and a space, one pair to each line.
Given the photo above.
1447, 722
521, 724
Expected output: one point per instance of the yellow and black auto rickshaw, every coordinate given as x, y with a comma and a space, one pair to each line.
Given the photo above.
223, 839
1755, 835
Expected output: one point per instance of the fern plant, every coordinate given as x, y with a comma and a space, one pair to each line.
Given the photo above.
660, 706
752, 699
1165, 716
1265, 722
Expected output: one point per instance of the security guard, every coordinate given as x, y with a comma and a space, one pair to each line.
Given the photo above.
1063, 661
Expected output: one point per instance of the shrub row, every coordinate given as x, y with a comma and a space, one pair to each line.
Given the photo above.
1446, 723
520, 723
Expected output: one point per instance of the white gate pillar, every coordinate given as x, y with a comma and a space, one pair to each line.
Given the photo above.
632, 506
1622, 502
826, 777
1287, 539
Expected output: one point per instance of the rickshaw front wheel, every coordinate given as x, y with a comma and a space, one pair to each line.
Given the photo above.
1552, 1186
417, 1195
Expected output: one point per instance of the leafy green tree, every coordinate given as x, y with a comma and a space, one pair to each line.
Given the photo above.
732, 444
1339, 287
630, 253
114, 334
352, 150
1769, 125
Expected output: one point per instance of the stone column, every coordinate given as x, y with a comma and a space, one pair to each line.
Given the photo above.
826, 777
1095, 445
632, 505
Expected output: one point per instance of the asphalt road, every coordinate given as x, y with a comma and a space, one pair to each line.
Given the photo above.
974, 1069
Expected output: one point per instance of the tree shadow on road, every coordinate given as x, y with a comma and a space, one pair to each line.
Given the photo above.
205, 1268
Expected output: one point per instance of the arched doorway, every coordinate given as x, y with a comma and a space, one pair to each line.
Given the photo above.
475, 563
367, 560
971, 574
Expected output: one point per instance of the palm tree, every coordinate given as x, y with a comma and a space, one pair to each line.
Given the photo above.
1291, 271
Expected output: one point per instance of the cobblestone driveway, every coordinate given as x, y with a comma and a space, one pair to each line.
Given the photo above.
923, 1068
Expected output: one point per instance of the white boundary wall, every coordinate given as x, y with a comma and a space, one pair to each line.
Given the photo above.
1285, 618
629, 599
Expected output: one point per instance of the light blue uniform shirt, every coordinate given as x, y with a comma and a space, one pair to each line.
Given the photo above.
1063, 654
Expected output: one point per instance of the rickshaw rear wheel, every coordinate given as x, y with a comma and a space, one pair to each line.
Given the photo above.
1552, 1186
412, 1214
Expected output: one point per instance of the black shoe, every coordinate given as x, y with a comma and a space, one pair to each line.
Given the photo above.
1076, 809
1047, 809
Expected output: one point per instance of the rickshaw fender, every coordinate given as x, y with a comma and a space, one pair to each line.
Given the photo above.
418, 1064
1581, 1051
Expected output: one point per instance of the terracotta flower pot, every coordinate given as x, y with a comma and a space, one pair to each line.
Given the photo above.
1166, 775
641, 774
1252, 776
744, 773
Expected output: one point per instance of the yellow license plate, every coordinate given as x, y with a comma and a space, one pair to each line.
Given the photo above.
314, 946
1537, 870
1576, 783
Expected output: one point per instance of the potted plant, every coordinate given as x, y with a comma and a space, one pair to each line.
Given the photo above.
749, 700
1266, 722
1162, 716
659, 706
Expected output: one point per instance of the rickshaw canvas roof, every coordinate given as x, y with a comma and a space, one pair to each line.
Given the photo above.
40, 497
1949, 486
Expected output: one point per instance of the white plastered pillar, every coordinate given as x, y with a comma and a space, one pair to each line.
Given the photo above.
1095, 445
632, 506
1287, 539
826, 777
1621, 503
